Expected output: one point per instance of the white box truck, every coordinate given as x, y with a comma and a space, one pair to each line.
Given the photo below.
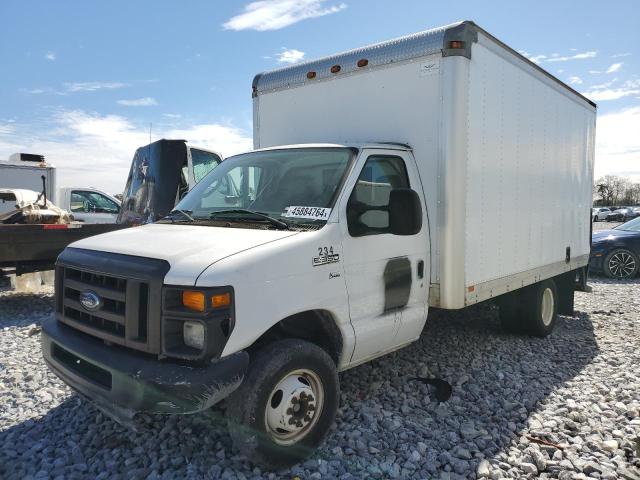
28, 171
440, 169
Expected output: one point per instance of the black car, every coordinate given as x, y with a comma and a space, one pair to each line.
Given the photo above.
622, 215
616, 252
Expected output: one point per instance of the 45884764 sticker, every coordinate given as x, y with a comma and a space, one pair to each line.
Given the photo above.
325, 256
312, 213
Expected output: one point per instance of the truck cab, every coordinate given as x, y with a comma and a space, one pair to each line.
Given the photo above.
161, 174
88, 204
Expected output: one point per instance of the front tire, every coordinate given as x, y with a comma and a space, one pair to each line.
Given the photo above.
285, 405
621, 264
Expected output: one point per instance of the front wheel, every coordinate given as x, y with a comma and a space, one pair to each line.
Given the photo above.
285, 405
621, 264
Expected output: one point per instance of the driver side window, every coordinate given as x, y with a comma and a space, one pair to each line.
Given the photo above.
367, 209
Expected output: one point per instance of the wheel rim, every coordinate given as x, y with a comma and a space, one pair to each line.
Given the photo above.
622, 264
548, 304
294, 406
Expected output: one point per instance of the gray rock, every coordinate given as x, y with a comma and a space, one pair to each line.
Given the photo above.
529, 468
484, 469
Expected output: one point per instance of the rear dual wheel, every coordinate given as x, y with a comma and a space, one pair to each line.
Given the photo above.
532, 310
285, 404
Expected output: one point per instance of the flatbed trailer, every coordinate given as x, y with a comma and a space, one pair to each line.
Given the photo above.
35, 247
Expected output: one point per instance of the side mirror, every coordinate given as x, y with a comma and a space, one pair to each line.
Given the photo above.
405, 212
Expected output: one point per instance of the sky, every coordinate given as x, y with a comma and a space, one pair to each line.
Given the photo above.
86, 83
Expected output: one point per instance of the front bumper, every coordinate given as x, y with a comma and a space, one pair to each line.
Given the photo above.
121, 382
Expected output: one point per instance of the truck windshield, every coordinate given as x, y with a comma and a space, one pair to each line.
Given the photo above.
294, 186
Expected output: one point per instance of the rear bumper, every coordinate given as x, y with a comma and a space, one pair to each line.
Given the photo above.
122, 382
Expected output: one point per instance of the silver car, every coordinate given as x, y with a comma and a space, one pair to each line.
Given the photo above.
600, 213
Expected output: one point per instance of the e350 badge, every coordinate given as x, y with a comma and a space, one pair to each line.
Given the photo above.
325, 256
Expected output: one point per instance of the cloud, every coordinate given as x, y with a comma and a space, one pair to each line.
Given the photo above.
556, 57
619, 55
575, 80
618, 144
172, 115
139, 102
93, 86
604, 92
577, 56
276, 14
90, 149
537, 58
7, 128
34, 91
290, 56
614, 68
51, 56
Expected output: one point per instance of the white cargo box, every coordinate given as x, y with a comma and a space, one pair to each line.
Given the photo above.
25, 171
504, 150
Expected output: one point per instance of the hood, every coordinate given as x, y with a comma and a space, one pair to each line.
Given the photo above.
189, 249
603, 235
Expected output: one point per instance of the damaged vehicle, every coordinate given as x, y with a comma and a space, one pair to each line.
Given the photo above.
33, 231
324, 249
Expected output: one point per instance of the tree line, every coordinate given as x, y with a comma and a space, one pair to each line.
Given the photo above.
613, 190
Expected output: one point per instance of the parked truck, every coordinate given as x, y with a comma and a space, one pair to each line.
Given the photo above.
27, 171
362, 207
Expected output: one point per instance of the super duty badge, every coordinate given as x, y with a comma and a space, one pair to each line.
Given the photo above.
325, 256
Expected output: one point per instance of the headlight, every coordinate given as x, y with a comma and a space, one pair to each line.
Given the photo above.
193, 334
196, 322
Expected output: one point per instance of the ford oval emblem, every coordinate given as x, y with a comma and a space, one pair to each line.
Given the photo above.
90, 300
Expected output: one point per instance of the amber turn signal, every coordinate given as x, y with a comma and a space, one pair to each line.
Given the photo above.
221, 300
193, 300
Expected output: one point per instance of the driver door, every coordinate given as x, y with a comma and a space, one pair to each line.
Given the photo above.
385, 274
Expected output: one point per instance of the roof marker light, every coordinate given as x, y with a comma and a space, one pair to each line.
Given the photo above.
311, 75
335, 69
456, 44
363, 62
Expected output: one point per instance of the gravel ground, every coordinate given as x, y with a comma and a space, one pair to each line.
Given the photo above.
604, 225
577, 390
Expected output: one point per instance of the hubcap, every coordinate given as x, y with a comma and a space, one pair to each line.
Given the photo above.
622, 265
547, 306
294, 406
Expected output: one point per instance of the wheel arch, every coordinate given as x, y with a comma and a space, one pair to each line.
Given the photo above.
316, 326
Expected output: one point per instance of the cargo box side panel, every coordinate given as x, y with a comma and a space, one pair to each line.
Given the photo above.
397, 103
529, 174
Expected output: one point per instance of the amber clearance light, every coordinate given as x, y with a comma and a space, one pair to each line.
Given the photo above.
456, 44
193, 300
221, 300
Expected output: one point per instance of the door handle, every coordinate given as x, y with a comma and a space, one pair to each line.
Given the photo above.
420, 268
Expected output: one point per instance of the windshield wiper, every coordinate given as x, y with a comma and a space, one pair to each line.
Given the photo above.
274, 221
184, 214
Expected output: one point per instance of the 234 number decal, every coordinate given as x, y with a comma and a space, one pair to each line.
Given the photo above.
325, 256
